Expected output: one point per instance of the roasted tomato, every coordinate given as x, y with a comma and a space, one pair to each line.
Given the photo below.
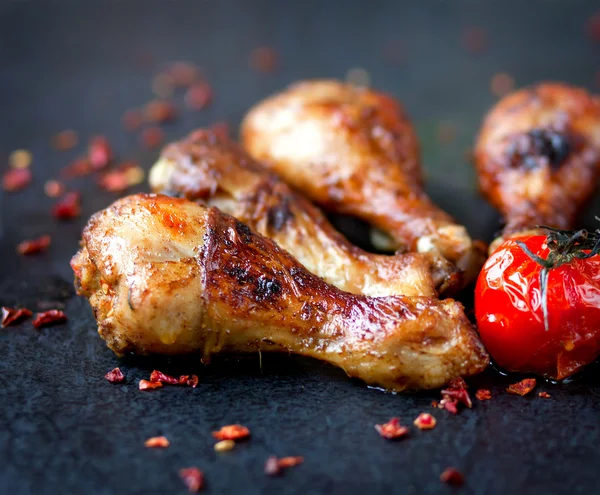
552, 332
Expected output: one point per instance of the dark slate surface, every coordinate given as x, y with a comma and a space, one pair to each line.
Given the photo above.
77, 64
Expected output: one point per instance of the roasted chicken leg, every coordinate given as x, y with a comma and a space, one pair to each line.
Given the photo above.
209, 166
538, 156
353, 151
170, 276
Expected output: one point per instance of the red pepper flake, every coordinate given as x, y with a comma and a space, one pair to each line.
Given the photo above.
275, 466
232, 432
132, 119
159, 376
20, 159
152, 137
501, 84
220, 129
392, 429
65, 140
12, 316
425, 421
263, 59
99, 152
114, 181
158, 111
455, 392
452, 476
146, 385
157, 442
192, 381
475, 39
183, 74
523, 387
16, 179
449, 405
460, 395
483, 394
78, 168
67, 207
544, 395
199, 96
193, 479
115, 376
593, 27
54, 189
47, 318
434, 403
34, 246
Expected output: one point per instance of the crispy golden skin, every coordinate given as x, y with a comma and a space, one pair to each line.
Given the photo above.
170, 276
208, 166
538, 156
353, 151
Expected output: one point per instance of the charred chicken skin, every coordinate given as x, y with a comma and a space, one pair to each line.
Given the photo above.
353, 151
538, 156
210, 167
170, 276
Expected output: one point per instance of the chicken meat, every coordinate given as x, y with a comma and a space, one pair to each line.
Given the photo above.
171, 276
210, 167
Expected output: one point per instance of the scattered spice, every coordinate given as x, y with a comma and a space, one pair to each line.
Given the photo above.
115, 376
147, 385
274, 466
425, 421
113, 181
192, 381
224, 445
20, 159
134, 175
193, 479
68, 206
232, 432
183, 73
159, 376
152, 137
78, 168
16, 179
48, 318
501, 84
523, 387
99, 152
449, 405
544, 395
132, 120
12, 316
392, 429
483, 394
54, 189
34, 246
263, 59
220, 129
157, 442
159, 111
65, 140
474, 39
593, 27
199, 96
452, 476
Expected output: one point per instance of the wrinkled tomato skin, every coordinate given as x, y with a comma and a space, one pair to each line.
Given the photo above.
510, 318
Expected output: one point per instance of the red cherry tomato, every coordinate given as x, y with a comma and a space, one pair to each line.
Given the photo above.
510, 317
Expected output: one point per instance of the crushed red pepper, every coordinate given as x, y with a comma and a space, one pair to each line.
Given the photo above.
159, 376
12, 316
48, 318
68, 206
425, 421
523, 387
455, 393
54, 189
158, 111
193, 479
78, 168
452, 476
99, 152
34, 246
115, 376
392, 429
157, 442
263, 59
114, 181
183, 73
16, 179
232, 432
132, 119
152, 137
483, 394
198, 96
65, 140
148, 385
544, 395
275, 466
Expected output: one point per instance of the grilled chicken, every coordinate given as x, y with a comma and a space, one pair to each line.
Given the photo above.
353, 151
208, 166
170, 276
538, 156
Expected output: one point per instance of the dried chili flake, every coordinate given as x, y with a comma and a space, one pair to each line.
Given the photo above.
274, 466
68, 206
232, 432
65, 140
198, 96
291, 461
501, 84
12, 316
132, 119
220, 129
434, 403
147, 385
224, 445
475, 39
450, 405
114, 181
263, 59
425, 421
20, 159
192, 381
193, 479
392, 429
50, 317
183, 73
158, 111
78, 168
99, 152
159, 376
34, 246
16, 179
115, 376
593, 27
53, 188
544, 395
152, 137
157, 442
452, 476
483, 394
523, 387
457, 392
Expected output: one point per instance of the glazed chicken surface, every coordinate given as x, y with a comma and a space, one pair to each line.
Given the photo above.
538, 156
170, 276
209, 166
353, 151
